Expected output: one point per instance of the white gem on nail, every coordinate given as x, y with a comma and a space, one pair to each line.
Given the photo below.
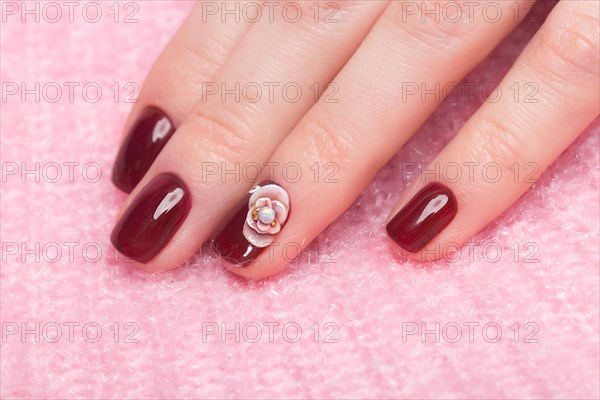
268, 210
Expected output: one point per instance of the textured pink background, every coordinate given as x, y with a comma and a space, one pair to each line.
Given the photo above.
366, 291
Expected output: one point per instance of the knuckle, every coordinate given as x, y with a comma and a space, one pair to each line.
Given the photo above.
195, 67
229, 138
433, 23
194, 53
571, 50
319, 13
502, 143
199, 53
330, 140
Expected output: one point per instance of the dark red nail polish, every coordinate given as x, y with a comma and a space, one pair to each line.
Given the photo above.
141, 146
152, 219
253, 225
423, 217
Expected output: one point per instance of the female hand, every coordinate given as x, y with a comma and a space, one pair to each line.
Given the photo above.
232, 102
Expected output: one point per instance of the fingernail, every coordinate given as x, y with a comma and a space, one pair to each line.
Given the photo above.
423, 217
152, 218
253, 225
141, 146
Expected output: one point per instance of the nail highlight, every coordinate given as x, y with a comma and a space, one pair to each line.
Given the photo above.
423, 217
254, 224
152, 219
146, 138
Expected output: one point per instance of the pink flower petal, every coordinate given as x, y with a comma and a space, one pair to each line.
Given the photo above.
255, 238
280, 211
262, 228
249, 219
273, 192
253, 226
263, 202
273, 229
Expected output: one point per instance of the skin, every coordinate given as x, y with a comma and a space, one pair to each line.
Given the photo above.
373, 49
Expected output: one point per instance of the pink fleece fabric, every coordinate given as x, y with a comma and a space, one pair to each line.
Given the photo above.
516, 317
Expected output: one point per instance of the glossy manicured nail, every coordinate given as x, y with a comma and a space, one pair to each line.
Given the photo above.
141, 146
152, 218
253, 225
423, 217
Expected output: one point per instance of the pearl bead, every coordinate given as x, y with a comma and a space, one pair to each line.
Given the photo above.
266, 215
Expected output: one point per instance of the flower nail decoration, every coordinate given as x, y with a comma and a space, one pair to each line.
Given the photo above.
268, 209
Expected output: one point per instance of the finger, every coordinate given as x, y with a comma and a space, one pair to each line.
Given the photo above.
238, 129
338, 147
506, 140
194, 55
